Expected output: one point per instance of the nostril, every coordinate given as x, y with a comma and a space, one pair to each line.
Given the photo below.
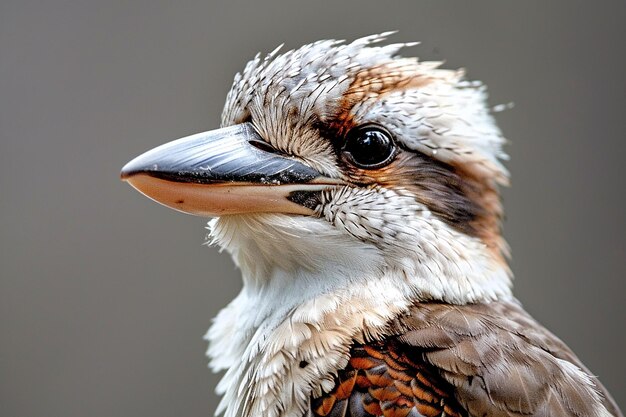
262, 145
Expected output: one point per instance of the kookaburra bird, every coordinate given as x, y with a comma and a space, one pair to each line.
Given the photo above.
357, 191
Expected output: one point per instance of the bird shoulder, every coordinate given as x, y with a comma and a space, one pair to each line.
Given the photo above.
487, 359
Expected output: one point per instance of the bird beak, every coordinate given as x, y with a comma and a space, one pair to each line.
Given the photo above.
223, 171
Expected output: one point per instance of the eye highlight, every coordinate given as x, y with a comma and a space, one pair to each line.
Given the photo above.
369, 147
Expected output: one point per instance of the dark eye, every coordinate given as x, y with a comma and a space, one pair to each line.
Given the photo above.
369, 147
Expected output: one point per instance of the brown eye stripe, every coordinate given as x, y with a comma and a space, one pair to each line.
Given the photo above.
434, 184
467, 204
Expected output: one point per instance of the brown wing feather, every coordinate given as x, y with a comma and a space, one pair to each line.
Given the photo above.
381, 380
520, 364
474, 360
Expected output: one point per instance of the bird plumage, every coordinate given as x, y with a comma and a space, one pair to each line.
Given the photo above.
473, 360
366, 225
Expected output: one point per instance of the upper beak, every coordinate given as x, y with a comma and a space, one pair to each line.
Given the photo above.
223, 171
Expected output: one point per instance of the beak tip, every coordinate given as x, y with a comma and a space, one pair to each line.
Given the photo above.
136, 166
129, 170
126, 173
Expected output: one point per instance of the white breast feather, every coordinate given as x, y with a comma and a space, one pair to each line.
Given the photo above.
310, 290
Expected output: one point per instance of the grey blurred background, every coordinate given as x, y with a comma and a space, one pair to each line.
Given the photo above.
105, 296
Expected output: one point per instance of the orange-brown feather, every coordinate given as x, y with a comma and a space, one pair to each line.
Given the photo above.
374, 82
388, 384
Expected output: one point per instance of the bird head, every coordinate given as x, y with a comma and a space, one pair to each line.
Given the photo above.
346, 159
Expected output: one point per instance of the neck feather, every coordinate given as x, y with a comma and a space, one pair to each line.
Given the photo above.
309, 292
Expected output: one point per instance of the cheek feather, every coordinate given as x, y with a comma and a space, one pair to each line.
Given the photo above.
458, 199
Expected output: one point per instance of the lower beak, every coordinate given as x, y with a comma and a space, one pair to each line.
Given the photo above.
224, 171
